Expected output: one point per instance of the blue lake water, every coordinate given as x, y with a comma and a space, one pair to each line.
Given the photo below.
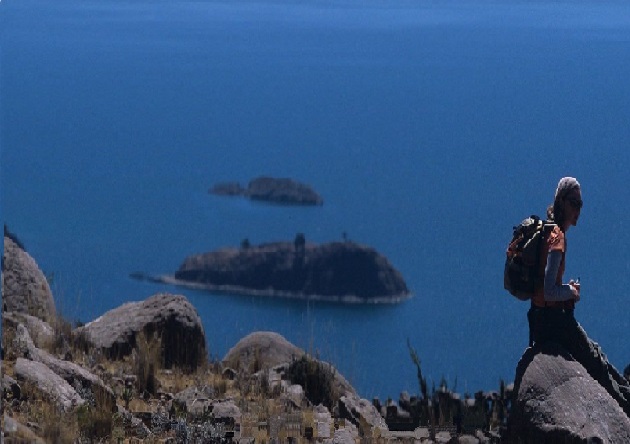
429, 127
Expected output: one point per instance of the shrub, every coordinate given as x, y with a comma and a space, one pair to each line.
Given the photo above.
146, 362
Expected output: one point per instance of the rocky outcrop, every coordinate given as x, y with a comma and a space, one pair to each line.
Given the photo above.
263, 349
194, 400
347, 434
171, 319
14, 428
40, 332
73, 374
361, 411
556, 400
226, 409
271, 351
47, 382
338, 271
270, 189
24, 286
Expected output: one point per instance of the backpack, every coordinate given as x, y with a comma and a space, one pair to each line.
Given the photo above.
521, 272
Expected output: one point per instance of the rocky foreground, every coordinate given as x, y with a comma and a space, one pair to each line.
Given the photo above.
140, 373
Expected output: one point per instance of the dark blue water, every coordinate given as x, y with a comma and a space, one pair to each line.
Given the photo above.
430, 128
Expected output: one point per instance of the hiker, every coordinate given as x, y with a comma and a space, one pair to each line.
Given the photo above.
551, 314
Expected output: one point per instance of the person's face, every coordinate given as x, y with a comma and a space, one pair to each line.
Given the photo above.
572, 207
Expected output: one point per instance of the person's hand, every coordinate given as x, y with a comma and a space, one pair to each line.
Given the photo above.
575, 288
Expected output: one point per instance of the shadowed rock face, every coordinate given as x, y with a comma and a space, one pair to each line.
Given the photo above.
171, 318
24, 286
556, 400
340, 269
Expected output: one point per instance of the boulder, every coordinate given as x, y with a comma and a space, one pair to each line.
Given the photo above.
40, 331
556, 400
361, 411
347, 434
24, 286
171, 318
47, 382
261, 350
194, 400
86, 383
14, 431
226, 410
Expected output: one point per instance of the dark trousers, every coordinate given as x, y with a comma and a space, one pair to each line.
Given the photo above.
560, 326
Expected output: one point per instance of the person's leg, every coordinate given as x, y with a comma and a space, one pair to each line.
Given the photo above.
590, 355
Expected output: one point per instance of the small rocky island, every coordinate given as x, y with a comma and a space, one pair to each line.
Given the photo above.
337, 272
276, 190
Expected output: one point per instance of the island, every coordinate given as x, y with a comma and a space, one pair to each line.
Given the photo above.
336, 272
276, 190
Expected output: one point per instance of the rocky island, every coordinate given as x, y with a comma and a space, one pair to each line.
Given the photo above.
276, 190
336, 271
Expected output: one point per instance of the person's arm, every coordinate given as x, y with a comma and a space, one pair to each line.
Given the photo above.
554, 292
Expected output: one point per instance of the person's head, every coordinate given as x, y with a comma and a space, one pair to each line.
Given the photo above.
567, 203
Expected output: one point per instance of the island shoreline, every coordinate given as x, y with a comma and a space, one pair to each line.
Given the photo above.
270, 293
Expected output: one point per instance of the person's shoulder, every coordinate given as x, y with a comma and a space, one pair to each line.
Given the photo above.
556, 236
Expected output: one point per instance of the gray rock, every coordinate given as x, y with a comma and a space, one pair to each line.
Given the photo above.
271, 351
194, 399
358, 410
51, 385
72, 373
346, 435
226, 409
442, 437
40, 331
172, 318
14, 431
260, 350
558, 401
134, 426
24, 286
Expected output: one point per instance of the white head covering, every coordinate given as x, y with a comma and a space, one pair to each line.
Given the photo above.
565, 185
